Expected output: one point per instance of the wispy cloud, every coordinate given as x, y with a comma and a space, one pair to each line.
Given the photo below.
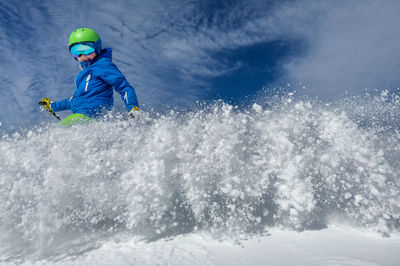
175, 44
352, 45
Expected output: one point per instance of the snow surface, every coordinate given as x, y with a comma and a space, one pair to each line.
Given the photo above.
335, 246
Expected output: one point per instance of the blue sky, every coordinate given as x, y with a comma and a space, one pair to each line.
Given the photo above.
178, 52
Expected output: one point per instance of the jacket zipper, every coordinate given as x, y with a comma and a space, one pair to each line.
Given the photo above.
87, 82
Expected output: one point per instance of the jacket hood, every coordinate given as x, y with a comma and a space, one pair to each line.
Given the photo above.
106, 52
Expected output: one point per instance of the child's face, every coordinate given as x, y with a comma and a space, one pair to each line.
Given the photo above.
86, 58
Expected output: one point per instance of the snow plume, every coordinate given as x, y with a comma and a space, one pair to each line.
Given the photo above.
287, 163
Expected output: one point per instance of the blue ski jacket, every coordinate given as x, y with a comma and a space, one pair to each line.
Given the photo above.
94, 88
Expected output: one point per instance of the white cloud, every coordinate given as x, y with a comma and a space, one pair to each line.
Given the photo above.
352, 45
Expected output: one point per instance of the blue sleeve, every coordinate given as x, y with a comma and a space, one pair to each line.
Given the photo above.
115, 78
61, 105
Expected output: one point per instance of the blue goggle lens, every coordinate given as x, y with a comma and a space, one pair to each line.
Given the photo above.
81, 49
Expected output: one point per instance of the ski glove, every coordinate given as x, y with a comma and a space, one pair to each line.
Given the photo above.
46, 104
134, 113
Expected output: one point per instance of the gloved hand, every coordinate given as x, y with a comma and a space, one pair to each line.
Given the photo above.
134, 113
46, 104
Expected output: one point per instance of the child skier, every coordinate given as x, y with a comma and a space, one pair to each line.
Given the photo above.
93, 93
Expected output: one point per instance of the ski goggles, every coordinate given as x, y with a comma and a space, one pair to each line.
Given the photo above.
81, 49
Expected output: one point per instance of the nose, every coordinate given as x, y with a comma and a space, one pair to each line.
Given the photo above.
83, 58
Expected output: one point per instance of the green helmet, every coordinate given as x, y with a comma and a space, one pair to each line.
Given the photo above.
85, 35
